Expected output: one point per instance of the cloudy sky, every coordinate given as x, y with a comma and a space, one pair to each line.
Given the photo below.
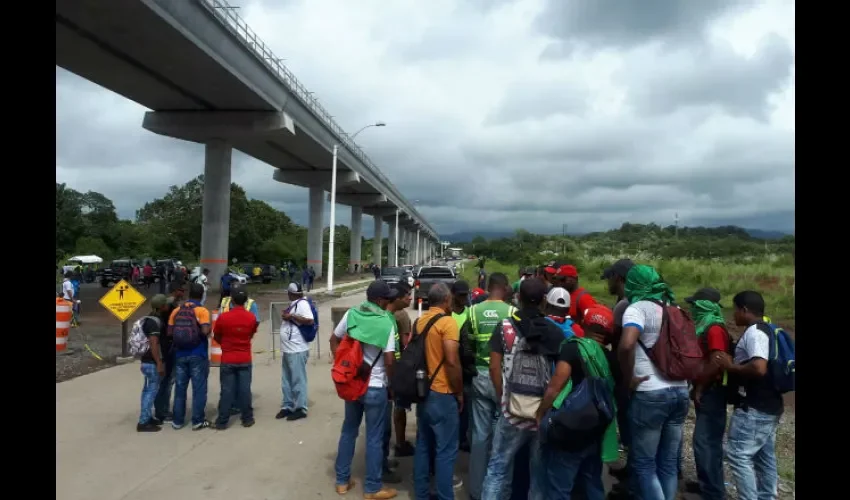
506, 114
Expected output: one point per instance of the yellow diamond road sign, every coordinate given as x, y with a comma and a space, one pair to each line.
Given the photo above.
122, 300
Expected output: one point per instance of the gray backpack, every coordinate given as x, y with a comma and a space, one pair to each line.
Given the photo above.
527, 376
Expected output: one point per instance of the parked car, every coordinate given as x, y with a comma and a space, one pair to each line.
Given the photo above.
428, 277
392, 274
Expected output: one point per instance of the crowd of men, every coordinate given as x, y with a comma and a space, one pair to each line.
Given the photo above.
507, 373
504, 373
172, 342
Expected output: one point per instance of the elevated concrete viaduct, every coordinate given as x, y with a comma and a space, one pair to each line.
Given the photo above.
208, 78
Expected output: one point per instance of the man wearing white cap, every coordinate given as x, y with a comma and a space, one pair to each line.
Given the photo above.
294, 353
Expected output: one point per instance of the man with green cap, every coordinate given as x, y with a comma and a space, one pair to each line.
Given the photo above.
658, 406
709, 395
153, 367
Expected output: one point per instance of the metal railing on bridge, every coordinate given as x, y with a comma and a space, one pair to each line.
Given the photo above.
227, 15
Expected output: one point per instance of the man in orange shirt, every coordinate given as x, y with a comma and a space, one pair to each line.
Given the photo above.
234, 331
189, 328
438, 417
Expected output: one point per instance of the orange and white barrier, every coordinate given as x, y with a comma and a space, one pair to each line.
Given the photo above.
215, 347
419, 307
63, 323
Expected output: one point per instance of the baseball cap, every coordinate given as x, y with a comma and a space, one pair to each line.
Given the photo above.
597, 314
295, 288
704, 294
532, 292
460, 287
158, 301
477, 292
379, 289
529, 271
550, 269
568, 270
620, 268
558, 297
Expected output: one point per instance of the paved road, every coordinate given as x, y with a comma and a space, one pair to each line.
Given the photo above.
99, 456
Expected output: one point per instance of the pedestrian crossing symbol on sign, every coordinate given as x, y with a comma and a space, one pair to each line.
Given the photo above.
122, 300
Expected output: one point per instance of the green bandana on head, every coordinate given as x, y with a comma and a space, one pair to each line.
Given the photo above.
706, 313
644, 283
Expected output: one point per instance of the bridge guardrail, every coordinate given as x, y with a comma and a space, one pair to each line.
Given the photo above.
226, 14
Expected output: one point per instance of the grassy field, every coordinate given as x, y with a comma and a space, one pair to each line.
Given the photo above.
772, 277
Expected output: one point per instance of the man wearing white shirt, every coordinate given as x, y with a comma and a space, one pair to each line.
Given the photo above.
380, 329
294, 353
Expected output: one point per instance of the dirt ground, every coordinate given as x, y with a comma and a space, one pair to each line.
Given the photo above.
96, 343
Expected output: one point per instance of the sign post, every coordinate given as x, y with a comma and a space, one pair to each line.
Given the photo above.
122, 300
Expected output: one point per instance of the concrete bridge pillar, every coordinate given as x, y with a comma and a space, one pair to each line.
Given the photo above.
315, 229
377, 241
356, 243
392, 257
215, 226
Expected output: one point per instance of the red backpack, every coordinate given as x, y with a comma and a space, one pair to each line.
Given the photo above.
349, 372
677, 353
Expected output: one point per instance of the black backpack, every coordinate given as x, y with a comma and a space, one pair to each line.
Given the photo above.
404, 383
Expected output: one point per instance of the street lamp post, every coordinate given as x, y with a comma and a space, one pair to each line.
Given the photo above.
330, 287
395, 234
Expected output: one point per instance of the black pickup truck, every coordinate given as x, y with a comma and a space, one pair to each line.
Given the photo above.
426, 278
118, 270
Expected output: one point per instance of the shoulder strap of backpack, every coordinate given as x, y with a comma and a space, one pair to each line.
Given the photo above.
425, 337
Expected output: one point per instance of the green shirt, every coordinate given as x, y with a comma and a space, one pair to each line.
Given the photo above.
484, 317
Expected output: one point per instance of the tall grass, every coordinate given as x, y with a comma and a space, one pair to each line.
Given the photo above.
772, 277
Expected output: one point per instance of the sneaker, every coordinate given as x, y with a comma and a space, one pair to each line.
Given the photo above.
391, 477
176, 427
457, 482
283, 413
156, 421
148, 427
382, 494
247, 423
297, 414
219, 426
168, 417
404, 449
234, 411
342, 489
203, 425
692, 487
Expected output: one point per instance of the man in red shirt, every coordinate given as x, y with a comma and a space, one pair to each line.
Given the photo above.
580, 299
234, 331
709, 395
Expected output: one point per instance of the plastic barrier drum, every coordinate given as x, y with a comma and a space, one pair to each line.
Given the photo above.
63, 323
215, 347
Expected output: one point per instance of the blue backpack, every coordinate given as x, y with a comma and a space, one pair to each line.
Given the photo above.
566, 327
781, 365
308, 332
186, 330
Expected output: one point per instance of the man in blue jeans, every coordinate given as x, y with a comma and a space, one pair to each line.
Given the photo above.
192, 363
162, 403
658, 406
294, 354
751, 446
374, 327
438, 418
153, 367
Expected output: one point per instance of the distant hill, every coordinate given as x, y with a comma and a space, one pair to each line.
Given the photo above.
467, 236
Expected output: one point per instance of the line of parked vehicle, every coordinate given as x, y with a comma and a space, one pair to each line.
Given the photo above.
120, 269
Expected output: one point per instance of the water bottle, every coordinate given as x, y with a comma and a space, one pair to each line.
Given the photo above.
421, 389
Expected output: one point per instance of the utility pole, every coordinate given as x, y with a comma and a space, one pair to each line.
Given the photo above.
676, 224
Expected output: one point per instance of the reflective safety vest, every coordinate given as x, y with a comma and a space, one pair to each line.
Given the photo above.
225, 304
461, 318
485, 316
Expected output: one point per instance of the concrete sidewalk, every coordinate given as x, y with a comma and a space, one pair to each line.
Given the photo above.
100, 456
